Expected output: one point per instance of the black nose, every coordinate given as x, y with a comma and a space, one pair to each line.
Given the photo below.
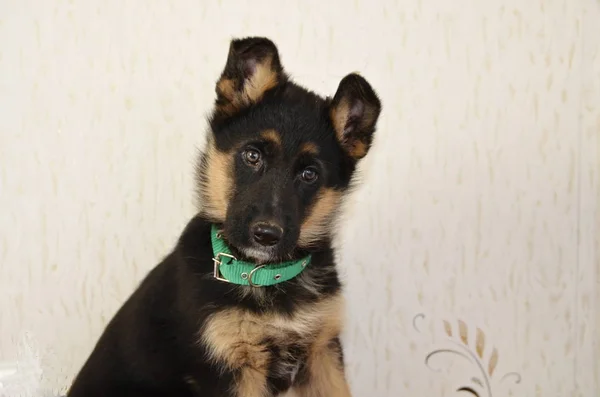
266, 234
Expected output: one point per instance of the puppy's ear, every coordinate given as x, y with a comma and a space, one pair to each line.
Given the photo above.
354, 112
252, 69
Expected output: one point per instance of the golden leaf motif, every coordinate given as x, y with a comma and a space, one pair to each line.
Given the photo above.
493, 362
463, 331
448, 328
480, 343
459, 347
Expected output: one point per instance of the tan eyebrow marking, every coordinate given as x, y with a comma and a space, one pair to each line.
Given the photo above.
271, 136
309, 148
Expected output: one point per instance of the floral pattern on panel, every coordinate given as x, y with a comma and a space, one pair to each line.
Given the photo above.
460, 345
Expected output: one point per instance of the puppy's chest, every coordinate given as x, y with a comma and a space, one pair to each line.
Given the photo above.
287, 347
272, 344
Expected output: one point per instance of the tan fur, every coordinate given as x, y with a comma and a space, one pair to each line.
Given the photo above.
235, 339
251, 383
252, 90
309, 148
263, 79
357, 149
339, 117
325, 368
217, 186
319, 222
227, 88
326, 375
271, 136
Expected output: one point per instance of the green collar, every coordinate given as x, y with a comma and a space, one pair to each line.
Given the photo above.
229, 269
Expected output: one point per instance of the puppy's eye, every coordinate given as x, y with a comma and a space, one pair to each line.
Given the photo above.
309, 175
252, 157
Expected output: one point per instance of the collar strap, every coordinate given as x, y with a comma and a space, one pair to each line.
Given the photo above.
232, 270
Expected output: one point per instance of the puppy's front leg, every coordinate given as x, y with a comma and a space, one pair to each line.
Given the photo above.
251, 382
324, 375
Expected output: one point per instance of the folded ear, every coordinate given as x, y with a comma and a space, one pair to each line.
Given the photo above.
354, 112
252, 68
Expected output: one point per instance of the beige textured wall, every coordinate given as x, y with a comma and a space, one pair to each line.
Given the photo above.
479, 217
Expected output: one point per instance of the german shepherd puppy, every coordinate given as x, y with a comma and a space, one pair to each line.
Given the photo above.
248, 303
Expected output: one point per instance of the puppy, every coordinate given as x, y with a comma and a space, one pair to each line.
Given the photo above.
248, 303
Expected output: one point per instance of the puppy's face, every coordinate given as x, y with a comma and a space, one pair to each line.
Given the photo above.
279, 157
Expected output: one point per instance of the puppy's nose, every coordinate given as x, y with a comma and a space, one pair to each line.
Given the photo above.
266, 234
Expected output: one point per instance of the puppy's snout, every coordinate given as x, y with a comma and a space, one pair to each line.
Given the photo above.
266, 233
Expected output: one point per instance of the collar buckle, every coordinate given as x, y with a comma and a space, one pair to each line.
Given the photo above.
218, 263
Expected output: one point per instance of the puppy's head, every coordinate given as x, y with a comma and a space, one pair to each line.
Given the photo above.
279, 158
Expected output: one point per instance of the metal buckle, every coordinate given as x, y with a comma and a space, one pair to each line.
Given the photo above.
252, 274
217, 261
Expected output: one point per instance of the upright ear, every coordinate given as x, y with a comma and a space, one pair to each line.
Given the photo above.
252, 69
354, 112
